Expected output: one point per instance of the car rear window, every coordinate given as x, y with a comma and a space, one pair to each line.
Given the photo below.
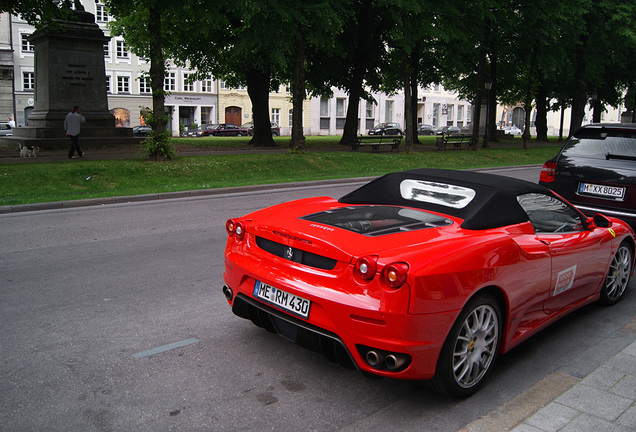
602, 143
378, 220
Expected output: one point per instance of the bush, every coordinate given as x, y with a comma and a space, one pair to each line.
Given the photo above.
158, 146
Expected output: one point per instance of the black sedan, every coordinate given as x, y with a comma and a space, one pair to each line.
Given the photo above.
386, 129
447, 130
596, 170
425, 129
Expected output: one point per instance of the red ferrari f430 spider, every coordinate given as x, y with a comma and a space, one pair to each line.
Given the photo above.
423, 274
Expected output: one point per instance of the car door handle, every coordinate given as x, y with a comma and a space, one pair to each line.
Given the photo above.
545, 242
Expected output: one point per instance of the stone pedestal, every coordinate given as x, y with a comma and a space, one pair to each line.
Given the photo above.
69, 71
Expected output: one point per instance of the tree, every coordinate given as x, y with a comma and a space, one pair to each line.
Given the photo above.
145, 24
38, 12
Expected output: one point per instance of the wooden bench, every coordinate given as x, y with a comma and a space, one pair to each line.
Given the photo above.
457, 140
375, 141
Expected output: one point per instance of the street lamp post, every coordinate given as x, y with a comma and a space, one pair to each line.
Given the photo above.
487, 86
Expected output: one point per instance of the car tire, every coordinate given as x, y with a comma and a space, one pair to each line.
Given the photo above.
618, 275
274, 134
470, 349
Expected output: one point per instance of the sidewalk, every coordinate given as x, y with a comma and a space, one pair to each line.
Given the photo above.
604, 400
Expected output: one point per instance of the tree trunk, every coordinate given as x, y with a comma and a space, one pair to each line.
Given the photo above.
412, 120
258, 90
492, 101
478, 97
408, 105
157, 72
580, 94
350, 130
542, 114
527, 106
298, 93
598, 109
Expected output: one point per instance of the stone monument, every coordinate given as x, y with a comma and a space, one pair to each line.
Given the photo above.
69, 71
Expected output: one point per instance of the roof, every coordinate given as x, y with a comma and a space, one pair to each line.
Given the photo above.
494, 203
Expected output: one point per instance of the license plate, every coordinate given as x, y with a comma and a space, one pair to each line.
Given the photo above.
287, 301
613, 192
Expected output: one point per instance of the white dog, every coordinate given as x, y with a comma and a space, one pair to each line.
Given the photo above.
28, 152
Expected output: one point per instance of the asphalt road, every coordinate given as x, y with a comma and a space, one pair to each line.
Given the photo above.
112, 319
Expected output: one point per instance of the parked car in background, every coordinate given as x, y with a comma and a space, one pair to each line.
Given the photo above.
596, 170
425, 129
5, 129
448, 130
424, 274
250, 128
512, 130
386, 129
141, 130
229, 130
203, 130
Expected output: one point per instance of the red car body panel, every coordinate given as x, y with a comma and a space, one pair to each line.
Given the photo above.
537, 280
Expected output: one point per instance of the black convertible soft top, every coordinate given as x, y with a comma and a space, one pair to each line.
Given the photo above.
493, 203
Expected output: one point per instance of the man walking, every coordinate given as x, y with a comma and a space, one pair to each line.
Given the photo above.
72, 124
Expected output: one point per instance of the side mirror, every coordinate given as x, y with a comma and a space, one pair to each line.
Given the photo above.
599, 221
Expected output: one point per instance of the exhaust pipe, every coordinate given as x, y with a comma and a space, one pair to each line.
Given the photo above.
373, 358
393, 362
227, 292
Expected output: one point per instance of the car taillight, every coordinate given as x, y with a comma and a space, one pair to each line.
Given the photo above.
394, 275
235, 229
547, 172
366, 267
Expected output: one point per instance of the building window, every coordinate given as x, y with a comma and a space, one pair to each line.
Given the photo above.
101, 15
340, 107
122, 50
28, 80
437, 88
460, 115
276, 115
436, 115
188, 85
449, 115
388, 111
170, 82
225, 86
370, 115
206, 115
27, 47
206, 85
340, 112
291, 117
144, 85
324, 113
107, 49
469, 112
123, 84
108, 90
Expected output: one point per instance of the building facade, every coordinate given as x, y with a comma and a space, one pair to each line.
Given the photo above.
192, 102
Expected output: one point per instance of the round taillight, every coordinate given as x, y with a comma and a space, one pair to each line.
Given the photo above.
229, 226
394, 275
239, 230
366, 267
235, 229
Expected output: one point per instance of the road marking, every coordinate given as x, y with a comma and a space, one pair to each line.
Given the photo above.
165, 348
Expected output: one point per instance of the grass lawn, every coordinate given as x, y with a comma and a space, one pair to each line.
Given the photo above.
22, 183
